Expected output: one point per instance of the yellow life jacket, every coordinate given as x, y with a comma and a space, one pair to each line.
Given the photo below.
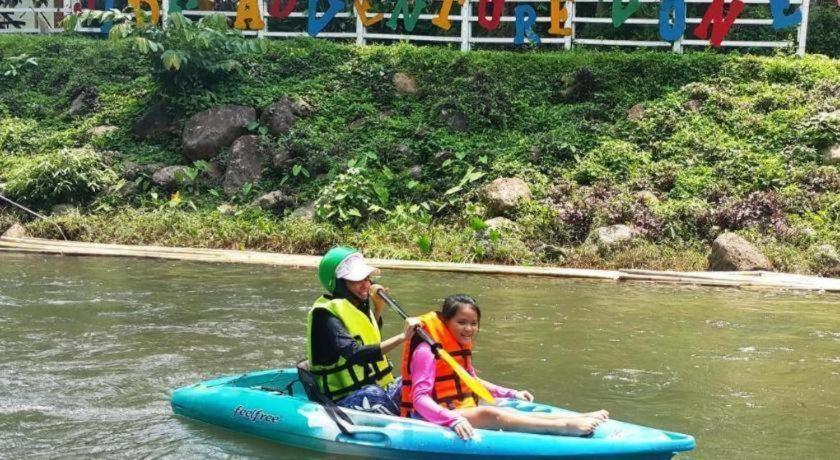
449, 391
341, 378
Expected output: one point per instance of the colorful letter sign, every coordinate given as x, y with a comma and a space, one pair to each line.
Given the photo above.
493, 22
780, 19
620, 13
248, 16
362, 7
316, 25
409, 20
720, 24
671, 19
526, 17
559, 15
154, 8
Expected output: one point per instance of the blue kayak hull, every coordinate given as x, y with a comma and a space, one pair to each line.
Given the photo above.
272, 405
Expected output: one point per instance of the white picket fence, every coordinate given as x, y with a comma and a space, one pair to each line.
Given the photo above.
468, 34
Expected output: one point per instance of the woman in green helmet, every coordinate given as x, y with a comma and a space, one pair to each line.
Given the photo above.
345, 351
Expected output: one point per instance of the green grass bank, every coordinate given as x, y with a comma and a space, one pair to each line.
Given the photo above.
714, 143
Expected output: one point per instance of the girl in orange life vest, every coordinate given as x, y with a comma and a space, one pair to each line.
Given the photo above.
433, 392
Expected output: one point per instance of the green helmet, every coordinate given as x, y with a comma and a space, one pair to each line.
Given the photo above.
331, 260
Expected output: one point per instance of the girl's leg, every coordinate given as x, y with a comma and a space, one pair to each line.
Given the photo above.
495, 418
600, 414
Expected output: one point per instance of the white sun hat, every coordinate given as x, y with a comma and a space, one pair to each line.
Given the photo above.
354, 268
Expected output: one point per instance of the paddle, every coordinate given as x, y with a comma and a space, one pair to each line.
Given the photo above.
465, 376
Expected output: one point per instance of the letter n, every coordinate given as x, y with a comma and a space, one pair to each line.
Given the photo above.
493, 22
526, 17
671, 10
248, 16
409, 20
720, 24
315, 24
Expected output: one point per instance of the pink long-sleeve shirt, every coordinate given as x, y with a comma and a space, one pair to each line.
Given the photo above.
423, 381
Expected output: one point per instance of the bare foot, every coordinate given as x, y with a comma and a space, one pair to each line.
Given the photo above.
578, 426
599, 414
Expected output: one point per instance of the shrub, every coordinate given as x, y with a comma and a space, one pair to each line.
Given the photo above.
68, 175
351, 197
612, 160
761, 209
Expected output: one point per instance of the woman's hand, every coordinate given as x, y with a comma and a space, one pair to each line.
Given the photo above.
524, 395
377, 301
411, 324
463, 429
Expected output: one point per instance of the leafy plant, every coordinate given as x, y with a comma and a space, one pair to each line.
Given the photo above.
184, 54
67, 175
15, 64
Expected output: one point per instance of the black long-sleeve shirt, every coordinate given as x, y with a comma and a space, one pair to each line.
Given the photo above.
330, 339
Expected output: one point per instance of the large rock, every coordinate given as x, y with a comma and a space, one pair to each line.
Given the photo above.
272, 201
132, 170
501, 224
827, 259
170, 177
636, 113
101, 130
306, 212
279, 117
730, 252
207, 132
244, 164
404, 83
505, 194
832, 155
156, 124
453, 119
610, 237
82, 100
15, 231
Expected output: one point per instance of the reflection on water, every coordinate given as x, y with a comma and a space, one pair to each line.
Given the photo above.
92, 347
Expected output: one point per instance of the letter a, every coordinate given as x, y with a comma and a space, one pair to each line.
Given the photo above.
316, 25
720, 24
154, 8
409, 20
780, 19
671, 31
493, 22
559, 15
526, 17
442, 19
248, 16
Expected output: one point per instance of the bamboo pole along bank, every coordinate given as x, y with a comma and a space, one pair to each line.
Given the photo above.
753, 279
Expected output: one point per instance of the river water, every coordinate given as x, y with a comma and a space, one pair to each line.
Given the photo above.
90, 349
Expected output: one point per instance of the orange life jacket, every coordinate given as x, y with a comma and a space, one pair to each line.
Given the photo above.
449, 391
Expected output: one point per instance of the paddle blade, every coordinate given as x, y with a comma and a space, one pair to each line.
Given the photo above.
465, 376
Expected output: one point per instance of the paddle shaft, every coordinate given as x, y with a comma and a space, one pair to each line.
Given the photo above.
471, 381
419, 331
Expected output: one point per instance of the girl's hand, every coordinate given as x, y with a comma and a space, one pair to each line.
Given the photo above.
524, 395
411, 324
463, 429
